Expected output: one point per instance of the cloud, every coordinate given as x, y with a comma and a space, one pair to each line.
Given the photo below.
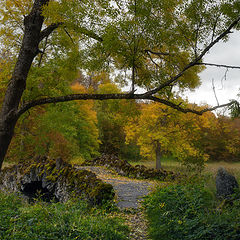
226, 87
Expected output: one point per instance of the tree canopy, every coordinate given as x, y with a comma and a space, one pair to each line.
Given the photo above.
156, 45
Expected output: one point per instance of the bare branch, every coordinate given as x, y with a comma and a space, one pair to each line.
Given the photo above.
188, 110
85, 96
214, 91
218, 65
215, 26
152, 60
197, 35
224, 78
43, 52
65, 30
90, 34
156, 53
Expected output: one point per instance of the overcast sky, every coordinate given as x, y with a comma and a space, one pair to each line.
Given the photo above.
223, 53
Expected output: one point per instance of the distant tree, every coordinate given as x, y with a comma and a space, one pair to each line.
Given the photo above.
160, 130
156, 44
65, 130
221, 140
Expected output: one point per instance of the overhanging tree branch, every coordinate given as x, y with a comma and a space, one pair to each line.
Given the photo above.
189, 110
72, 97
197, 59
86, 96
90, 34
48, 30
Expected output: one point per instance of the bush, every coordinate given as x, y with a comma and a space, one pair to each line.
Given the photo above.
72, 220
189, 213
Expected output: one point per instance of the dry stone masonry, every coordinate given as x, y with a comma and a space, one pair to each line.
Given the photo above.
54, 180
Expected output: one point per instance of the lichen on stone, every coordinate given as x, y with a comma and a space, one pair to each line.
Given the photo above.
58, 178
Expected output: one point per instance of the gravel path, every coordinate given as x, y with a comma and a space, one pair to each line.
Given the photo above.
129, 191
129, 194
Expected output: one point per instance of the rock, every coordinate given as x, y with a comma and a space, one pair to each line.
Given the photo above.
54, 180
226, 184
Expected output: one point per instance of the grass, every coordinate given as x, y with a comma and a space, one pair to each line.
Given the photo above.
71, 220
77, 160
168, 163
171, 164
60, 218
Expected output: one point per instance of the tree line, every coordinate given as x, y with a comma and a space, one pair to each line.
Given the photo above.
130, 129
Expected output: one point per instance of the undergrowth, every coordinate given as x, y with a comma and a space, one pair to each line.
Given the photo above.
68, 221
189, 212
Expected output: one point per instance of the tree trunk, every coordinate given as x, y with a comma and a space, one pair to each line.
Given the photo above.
158, 156
29, 50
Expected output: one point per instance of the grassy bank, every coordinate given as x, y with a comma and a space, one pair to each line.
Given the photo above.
72, 220
190, 212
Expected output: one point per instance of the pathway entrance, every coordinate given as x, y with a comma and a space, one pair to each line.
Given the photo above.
129, 193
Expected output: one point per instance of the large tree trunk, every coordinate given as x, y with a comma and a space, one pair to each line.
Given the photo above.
29, 49
158, 156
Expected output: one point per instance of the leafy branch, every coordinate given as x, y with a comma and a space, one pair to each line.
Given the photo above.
197, 59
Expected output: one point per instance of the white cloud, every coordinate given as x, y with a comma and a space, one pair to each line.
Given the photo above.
223, 53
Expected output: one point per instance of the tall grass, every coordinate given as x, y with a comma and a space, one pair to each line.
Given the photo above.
72, 220
208, 175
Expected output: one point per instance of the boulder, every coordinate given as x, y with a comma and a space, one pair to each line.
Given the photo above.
226, 184
54, 180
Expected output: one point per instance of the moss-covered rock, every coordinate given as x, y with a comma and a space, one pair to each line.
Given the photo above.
123, 168
55, 179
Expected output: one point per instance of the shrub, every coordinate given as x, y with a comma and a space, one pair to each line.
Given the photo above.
189, 213
71, 220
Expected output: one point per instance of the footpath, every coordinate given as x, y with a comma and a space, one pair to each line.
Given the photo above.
129, 194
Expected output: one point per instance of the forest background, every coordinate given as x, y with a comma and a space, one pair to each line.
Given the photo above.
76, 59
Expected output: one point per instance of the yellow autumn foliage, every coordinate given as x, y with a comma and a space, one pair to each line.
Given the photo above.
176, 132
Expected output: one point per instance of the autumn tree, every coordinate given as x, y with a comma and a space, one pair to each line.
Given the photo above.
154, 44
67, 130
221, 140
161, 129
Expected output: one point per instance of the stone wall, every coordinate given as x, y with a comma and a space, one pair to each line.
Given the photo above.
55, 180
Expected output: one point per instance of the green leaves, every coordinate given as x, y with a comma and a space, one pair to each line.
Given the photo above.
189, 212
148, 42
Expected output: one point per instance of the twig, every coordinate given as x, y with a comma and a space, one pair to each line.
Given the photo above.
218, 65
214, 91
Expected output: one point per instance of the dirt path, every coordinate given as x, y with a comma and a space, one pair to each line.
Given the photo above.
129, 193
